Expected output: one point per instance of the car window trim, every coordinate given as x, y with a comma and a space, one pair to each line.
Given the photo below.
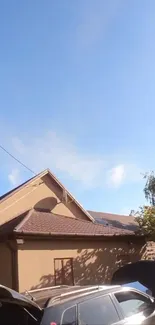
61, 319
117, 306
131, 290
117, 303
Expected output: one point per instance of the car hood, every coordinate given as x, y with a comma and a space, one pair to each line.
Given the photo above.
12, 296
142, 272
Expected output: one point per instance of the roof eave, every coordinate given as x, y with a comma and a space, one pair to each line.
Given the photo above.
53, 236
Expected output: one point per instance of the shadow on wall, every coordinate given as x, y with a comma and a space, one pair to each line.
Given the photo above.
92, 267
45, 281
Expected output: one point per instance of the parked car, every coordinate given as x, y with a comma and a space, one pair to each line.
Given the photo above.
63, 305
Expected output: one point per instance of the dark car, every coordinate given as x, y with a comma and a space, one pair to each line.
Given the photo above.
63, 305
141, 271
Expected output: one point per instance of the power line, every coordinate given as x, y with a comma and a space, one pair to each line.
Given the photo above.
6, 151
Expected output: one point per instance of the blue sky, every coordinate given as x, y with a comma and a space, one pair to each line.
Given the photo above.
77, 95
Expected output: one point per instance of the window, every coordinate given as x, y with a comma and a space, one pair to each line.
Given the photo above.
69, 316
132, 302
59, 314
98, 311
63, 271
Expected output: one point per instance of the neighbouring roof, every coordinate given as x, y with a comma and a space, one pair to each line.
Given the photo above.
53, 177
115, 220
45, 223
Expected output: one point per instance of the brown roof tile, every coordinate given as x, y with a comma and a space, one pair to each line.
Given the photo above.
115, 220
37, 222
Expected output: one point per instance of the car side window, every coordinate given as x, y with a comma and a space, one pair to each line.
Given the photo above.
132, 302
69, 316
97, 311
59, 315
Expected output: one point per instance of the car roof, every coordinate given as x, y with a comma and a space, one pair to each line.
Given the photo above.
58, 294
63, 294
80, 294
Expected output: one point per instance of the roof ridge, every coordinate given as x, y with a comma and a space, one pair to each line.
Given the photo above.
74, 199
28, 215
115, 214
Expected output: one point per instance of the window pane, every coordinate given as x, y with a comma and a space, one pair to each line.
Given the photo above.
69, 316
63, 270
132, 302
59, 314
98, 311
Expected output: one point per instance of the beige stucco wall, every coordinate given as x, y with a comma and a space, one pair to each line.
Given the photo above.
5, 265
94, 262
32, 195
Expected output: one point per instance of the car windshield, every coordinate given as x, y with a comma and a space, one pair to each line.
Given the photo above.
16, 314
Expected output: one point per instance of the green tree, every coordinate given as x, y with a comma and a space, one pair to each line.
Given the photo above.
149, 189
146, 214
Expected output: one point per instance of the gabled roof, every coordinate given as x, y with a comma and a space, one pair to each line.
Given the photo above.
35, 222
53, 177
115, 220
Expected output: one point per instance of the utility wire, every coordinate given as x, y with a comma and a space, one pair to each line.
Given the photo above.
30, 170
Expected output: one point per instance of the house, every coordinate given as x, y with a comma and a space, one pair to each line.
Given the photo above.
48, 238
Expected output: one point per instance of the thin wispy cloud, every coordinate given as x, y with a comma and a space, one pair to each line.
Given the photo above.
14, 176
94, 20
58, 153
124, 173
117, 175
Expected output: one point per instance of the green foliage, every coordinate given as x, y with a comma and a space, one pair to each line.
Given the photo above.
149, 189
146, 220
146, 214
